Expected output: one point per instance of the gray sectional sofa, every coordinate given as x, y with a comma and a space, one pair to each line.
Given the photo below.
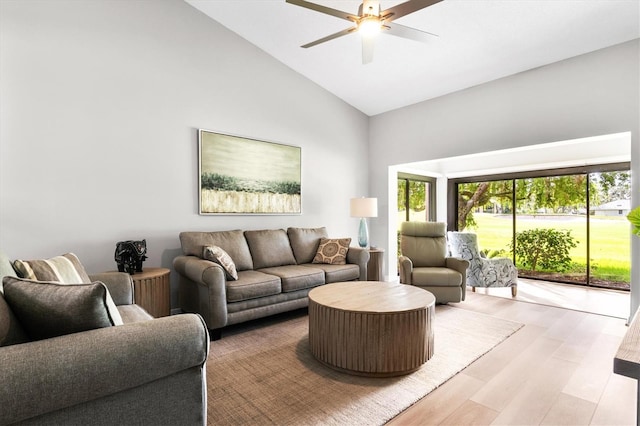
145, 372
274, 268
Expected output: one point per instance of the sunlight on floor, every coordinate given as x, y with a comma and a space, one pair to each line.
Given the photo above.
612, 303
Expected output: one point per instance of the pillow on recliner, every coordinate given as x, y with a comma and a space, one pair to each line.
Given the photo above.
49, 309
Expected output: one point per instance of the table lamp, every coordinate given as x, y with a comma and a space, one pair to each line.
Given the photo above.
364, 208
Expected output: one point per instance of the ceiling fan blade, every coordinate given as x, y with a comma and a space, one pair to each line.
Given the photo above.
405, 8
410, 33
367, 49
330, 37
327, 10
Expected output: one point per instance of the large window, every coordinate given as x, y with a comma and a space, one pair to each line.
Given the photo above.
564, 225
416, 198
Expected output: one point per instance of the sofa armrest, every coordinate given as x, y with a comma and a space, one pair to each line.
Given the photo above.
359, 256
119, 284
460, 265
48, 375
202, 289
405, 267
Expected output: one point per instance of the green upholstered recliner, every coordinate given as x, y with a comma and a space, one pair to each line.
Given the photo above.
424, 261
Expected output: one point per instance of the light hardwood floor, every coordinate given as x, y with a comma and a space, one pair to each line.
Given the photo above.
556, 370
614, 303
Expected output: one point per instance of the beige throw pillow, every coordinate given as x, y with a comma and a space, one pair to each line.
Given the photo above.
332, 251
218, 255
65, 269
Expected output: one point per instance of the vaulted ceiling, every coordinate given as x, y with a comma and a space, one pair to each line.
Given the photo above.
476, 41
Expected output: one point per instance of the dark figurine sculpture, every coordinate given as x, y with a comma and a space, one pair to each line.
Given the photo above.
130, 255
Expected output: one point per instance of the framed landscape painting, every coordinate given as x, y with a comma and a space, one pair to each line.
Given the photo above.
247, 176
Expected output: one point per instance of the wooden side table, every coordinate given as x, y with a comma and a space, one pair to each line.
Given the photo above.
374, 267
152, 291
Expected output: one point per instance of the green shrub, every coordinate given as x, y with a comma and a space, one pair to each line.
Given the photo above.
493, 253
546, 249
634, 218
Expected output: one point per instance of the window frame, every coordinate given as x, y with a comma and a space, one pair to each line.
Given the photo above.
431, 200
452, 194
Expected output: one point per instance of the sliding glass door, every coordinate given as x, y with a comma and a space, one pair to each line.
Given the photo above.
551, 228
610, 244
487, 209
564, 225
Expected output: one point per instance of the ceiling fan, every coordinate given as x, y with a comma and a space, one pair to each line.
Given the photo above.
371, 20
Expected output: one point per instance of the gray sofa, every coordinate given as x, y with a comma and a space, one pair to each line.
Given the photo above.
274, 268
147, 371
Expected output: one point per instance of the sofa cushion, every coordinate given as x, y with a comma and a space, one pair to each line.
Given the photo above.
436, 277
269, 248
305, 241
233, 242
48, 309
11, 332
249, 309
65, 269
337, 273
251, 285
332, 251
218, 255
296, 277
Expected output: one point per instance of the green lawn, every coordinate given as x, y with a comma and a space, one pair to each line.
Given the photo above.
610, 239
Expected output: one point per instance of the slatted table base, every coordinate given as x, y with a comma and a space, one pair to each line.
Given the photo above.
362, 342
152, 291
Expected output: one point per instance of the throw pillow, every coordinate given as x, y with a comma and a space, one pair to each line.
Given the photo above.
332, 251
218, 255
49, 309
64, 269
11, 332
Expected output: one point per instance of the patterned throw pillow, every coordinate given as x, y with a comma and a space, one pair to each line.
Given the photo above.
50, 309
64, 269
218, 255
332, 251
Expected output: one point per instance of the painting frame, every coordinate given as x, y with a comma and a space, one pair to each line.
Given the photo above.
239, 175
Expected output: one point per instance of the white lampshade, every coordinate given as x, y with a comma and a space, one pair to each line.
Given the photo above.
364, 207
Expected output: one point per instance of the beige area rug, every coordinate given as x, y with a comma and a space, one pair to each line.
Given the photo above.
265, 373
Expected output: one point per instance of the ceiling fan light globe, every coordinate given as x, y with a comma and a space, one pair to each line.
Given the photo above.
369, 27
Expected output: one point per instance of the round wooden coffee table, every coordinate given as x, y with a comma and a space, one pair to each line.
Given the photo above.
371, 328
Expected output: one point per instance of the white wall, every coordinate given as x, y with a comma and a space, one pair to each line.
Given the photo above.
100, 106
589, 95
